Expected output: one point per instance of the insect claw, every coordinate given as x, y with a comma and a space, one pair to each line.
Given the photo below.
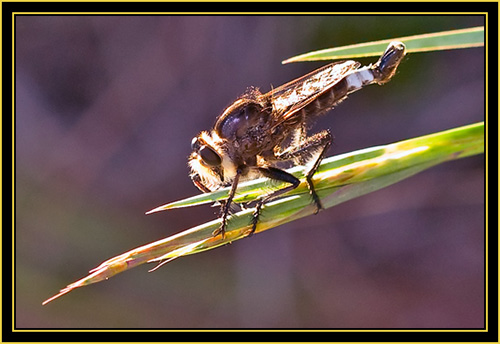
218, 231
318, 207
255, 220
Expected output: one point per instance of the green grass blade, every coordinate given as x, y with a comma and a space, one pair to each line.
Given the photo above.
251, 190
339, 178
445, 40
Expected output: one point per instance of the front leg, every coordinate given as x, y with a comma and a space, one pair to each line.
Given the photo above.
226, 205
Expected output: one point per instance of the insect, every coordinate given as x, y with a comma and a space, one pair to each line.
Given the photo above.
258, 132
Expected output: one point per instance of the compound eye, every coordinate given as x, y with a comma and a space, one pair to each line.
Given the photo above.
209, 156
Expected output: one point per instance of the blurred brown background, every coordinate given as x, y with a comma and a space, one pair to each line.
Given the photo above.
106, 107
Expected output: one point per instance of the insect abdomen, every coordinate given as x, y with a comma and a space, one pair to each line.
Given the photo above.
327, 100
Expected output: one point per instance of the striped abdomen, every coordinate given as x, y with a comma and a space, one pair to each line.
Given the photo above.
380, 73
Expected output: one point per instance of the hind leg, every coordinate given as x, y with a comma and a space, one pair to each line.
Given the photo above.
309, 146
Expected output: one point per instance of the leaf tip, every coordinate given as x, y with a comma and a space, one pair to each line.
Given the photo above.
61, 293
157, 209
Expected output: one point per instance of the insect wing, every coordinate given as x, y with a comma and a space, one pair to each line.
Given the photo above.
291, 97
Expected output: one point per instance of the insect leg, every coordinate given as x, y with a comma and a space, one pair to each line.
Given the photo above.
199, 184
226, 205
275, 174
320, 141
325, 139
